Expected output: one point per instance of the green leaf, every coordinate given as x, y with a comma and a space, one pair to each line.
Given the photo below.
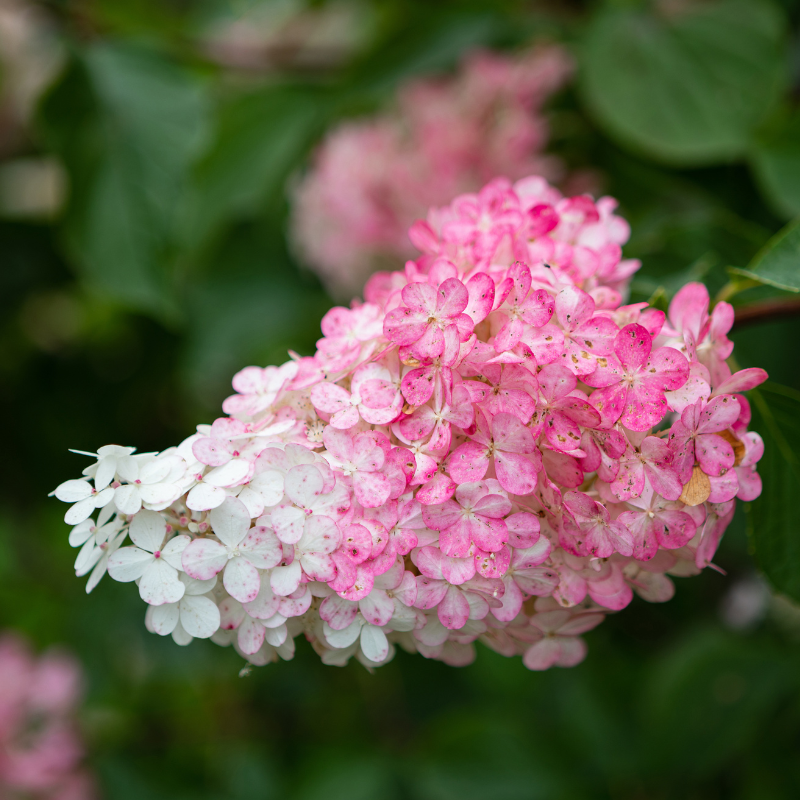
348, 778
775, 160
432, 40
261, 139
707, 700
694, 244
249, 305
127, 124
778, 262
774, 528
685, 85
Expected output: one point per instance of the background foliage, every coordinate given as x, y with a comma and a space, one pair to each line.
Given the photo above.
130, 299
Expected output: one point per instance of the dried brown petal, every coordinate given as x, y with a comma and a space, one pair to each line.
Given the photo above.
736, 443
698, 489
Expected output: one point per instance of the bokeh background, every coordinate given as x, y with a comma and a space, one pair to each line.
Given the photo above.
147, 154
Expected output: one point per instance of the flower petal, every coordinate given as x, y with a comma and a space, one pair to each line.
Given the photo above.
250, 636
344, 637
203, 497
164, 618
128, 564
160, 584
73, 491
377, 608
285, 580
127, 499
148, 529
304, 484
241, 580
230, 521
199, 616
261, 548
203, 559
454, 609
374, 643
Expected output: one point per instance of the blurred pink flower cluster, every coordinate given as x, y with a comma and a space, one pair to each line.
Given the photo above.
371, 179
491, 447
41, 751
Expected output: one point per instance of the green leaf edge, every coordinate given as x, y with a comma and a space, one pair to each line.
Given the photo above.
746, 273
786, 451
751, 270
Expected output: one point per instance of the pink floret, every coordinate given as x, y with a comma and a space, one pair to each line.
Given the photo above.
42, 748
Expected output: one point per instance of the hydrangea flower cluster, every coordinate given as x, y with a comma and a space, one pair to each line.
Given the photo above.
491, 447
41, 751
372, 178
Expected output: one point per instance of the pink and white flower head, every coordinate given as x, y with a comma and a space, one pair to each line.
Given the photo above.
371, 179
489, 448
41, 745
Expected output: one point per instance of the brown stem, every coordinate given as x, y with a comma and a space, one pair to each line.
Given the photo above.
766, 310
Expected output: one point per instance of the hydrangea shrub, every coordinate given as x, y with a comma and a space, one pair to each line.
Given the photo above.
40, 741
491, 447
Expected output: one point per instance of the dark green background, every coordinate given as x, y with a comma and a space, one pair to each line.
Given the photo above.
123, 319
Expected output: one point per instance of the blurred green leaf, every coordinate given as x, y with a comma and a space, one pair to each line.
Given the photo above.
458, 755
695, 244
707, 700
262, 137
778, 262
426, 38
775, 159
684, 83
773, 521
468, 781
249, 774
351, 776
124, 783
765, 344
249, 306
127, 124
